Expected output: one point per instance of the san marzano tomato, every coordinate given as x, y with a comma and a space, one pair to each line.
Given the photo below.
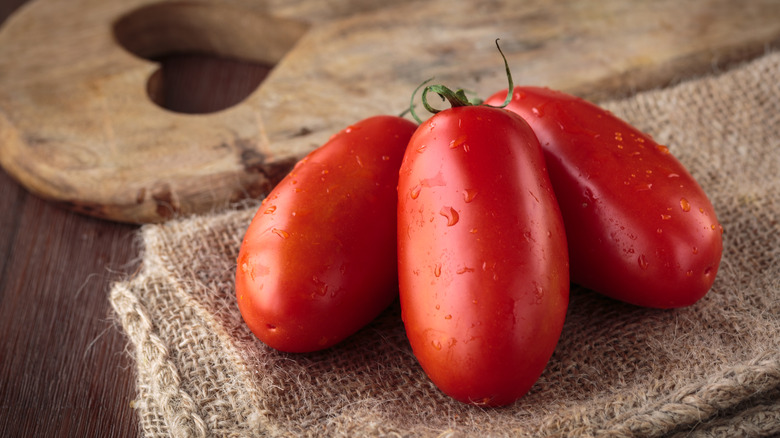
318, 261
483, 267
640, 228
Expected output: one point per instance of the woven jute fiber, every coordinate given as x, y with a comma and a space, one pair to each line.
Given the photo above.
711, 369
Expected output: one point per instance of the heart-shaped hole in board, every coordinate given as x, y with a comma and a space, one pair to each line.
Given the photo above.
200, 84
211, 56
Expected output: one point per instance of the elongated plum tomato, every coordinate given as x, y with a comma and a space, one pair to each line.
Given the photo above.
318, 261
483, 267
640, 229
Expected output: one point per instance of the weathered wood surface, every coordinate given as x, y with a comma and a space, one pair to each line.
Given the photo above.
65, 364
78, 125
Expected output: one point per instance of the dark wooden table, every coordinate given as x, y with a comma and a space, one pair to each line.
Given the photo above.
64, 368
65, 365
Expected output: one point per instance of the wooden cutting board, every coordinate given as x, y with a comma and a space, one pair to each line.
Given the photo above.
77, 125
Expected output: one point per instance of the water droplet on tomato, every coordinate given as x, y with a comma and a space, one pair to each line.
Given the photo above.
708, 270
385, 157
618, 136
473, 231
588, 195
415, 192
245, 267
695, 250
421, 148
351, 129
469, 194
451, 215
464, 270
270, 327
659, 231
518, 95
448, 317
689, 273
663, 149
437, 270
270, 209
281, 233
537, 111
300, 163
436, 181
642, 260
685, 205
538, 295
322, 287
666, 217
457, 142
673, 175
436, 344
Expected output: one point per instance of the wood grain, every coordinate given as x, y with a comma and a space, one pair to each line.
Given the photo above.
64, 365
78, 126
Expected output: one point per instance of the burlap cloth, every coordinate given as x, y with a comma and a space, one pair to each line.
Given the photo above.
712, 369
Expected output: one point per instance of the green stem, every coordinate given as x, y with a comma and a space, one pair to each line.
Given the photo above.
411, 103
456, 98
510, 91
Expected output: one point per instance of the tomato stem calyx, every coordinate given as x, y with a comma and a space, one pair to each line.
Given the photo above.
458, 97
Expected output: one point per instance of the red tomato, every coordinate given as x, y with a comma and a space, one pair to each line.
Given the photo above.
640, 229
483, 268
318, 260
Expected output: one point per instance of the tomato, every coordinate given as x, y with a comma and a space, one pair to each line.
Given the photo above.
318, 261
640, 229
482, 259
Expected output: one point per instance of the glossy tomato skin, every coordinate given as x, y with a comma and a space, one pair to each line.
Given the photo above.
482, 260
318, 261
640, 228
